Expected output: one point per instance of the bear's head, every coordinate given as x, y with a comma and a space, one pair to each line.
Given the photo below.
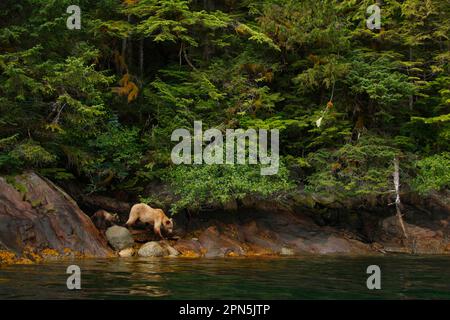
168, 225
111, 217
115, 218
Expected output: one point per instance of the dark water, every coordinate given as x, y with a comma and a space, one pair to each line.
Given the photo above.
263, 278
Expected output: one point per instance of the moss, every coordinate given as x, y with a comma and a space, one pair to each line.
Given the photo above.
21, 188
36, 203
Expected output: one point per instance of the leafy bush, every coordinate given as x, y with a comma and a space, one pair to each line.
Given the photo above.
434, 173
31, 154
209, 184
115, 153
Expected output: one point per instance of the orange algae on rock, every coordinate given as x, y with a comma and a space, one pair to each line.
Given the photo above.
23, 261
232, 254
190, 254
50, 252
7, 257
31, 255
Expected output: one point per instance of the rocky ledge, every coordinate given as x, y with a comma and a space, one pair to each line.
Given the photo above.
255, 235
284, 232
263, 233
38, 220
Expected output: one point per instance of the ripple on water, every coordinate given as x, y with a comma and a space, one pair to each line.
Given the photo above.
403, 277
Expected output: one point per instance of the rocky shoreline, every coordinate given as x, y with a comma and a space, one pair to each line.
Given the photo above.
39, 221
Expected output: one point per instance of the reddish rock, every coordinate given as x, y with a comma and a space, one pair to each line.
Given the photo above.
260, 239
189, 248
219, 244
430, 239
266, 233
42, 216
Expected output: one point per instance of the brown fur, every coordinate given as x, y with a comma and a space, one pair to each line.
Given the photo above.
155, 217
103, 219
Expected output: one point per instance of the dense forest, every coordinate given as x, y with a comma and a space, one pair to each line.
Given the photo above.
99, 104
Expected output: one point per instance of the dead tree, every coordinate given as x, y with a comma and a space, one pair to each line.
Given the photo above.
398, 204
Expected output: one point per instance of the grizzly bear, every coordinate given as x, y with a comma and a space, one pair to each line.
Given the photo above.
103, 219
147, 214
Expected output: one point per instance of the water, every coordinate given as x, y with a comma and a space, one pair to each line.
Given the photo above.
403, 277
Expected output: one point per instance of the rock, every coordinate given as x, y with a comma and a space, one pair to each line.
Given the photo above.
171, 250
153, 249
144, 235
391, 226
189, 248
36, 215
119, 237
287, 251
256, 233
261, 240
218, 244
431, 238
126, 253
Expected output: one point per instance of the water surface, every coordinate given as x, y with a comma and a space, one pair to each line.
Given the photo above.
403, 277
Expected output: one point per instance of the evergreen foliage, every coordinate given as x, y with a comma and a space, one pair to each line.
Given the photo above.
99, 104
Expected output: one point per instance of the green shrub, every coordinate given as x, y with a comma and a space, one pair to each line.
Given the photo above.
31, 154
433, 173
198, 185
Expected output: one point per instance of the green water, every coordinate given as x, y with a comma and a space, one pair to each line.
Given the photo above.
402, 277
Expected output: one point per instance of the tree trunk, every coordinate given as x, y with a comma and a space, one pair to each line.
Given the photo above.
398, 204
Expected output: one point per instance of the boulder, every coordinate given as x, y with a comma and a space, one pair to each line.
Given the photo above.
170, 250
153, 249
158, 249
126, 253
119, 237
36, 215
287, 252
189, 248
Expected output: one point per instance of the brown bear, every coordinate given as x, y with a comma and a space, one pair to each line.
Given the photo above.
147, 214
103, 219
